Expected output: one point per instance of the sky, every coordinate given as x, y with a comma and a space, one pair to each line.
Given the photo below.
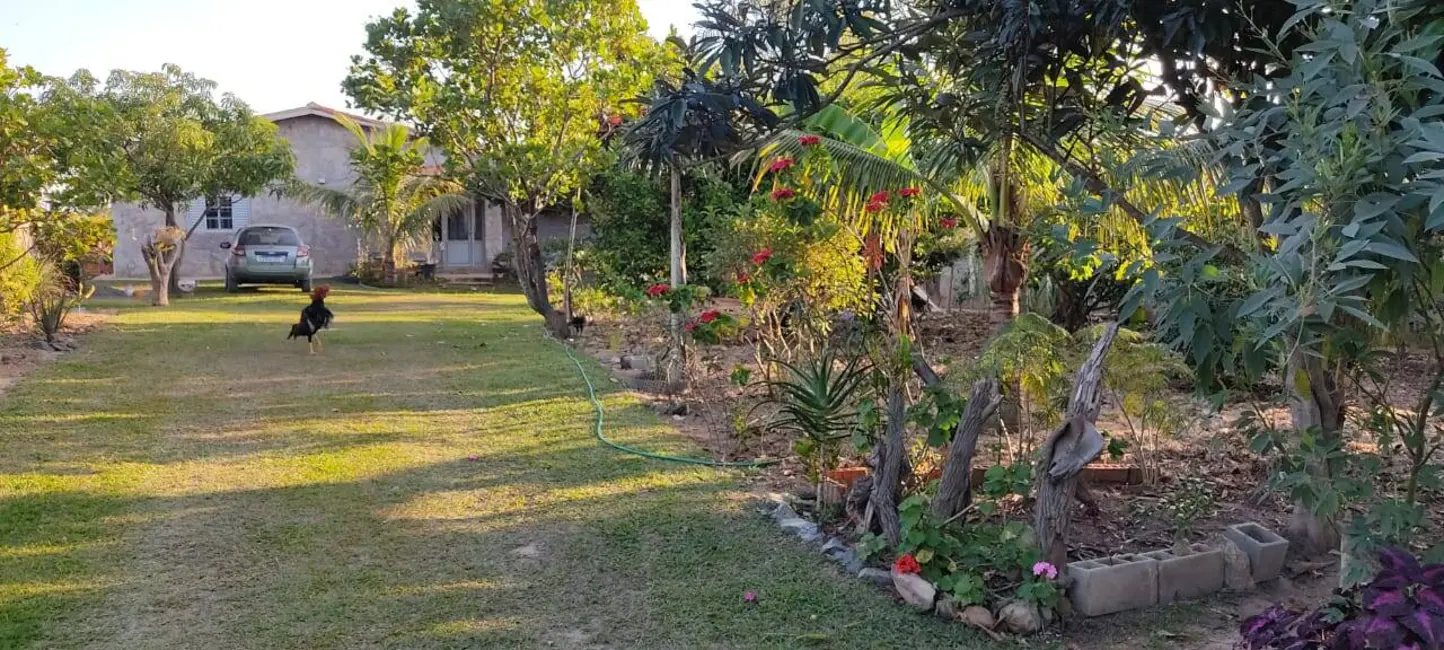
274, 54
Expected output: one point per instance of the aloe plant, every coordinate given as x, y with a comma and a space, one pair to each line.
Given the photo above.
818, 401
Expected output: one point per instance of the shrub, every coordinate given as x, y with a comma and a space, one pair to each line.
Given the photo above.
18, 280
54, 297
1402, 607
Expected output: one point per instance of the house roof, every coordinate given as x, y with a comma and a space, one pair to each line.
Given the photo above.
317, 110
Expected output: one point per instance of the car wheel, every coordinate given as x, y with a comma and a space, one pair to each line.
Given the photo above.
306, 285
231, 285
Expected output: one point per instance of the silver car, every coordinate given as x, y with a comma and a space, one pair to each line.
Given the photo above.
268, 255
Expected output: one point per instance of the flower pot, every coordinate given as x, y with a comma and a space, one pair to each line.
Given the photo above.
1113, 584
1107, 473
847, 475
832, 492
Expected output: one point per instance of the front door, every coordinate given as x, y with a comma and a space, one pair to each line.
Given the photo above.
458, 237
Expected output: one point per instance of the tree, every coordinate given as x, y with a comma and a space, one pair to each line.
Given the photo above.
1352, 258
692, 120
28, 168
161, 139
392, 202
515, 92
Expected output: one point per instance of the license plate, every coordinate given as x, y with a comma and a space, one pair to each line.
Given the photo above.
271, 257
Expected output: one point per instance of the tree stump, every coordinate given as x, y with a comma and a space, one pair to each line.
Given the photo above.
955, 490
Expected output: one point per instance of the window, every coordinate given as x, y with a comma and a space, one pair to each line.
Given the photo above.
219, 213
269, 236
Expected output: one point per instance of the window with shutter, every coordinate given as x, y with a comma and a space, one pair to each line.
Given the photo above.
220, 213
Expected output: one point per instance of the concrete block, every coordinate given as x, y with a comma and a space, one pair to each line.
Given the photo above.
1265, 549
1113, 584
1186, 577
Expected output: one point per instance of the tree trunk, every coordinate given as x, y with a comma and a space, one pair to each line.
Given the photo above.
1004, 266
173, 276
531, 272
569, 270
388, 265
891, 458
1315, 403
1072, 446
955, 490
676, 363
161, 253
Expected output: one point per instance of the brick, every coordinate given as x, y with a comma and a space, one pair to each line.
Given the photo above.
1113, 584
1265, 549
1186, 577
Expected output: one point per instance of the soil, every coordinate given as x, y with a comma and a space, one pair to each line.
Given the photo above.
21, 352
1205, 454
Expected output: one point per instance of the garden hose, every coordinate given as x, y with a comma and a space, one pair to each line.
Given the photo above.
597, 408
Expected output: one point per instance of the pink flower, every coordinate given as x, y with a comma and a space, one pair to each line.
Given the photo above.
1045, 569
749, 597
948, 222
473, 458
762, 256
783, 193
909, 191
781, 164
808, 140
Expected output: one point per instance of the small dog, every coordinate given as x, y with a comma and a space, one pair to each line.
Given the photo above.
314, 318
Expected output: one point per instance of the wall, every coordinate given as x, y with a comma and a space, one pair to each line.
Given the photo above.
322, 149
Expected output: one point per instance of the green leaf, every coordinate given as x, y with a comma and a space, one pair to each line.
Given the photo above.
1424, 156
1392, 249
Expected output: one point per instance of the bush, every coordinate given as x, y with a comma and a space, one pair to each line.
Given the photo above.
54, 297
20, 279
1403, 607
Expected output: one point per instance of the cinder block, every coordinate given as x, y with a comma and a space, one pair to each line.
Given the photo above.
1113, 584
1186, 577
1265, 549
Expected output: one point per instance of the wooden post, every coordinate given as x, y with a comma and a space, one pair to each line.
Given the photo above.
955, 490
889, 471
1071, 447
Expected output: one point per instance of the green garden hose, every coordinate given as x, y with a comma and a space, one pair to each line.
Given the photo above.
597, 407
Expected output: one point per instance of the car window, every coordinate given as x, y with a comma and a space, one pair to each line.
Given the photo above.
269, 237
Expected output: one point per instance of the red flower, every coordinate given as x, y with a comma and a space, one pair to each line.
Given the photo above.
783, 193
874, 207
780, 164
909, 191
948, 222
907, 564
691, 326
808, 140
615, 120
880, 197
658, 290
709, 316
743, 278
762, 256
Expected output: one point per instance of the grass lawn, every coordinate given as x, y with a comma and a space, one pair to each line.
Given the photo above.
193, 480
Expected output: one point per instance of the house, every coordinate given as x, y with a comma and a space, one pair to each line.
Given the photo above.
465, 243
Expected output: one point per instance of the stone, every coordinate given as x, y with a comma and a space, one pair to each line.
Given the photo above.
878, 577
1188, 573
637, 362
801, 528
915, 590
979, 617
1020, 617
783, 512
947, 608
1236, 575
834, 547
1265, 549
1113, 584
852, 562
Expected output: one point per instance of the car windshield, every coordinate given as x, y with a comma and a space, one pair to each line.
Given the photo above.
269, 237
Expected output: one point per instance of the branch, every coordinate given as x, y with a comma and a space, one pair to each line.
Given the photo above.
1095, 184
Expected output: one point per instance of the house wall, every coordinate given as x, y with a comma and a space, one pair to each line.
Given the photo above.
322, 149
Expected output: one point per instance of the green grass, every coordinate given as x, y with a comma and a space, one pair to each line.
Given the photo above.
193, 480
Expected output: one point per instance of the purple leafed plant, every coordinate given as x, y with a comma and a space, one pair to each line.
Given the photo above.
1401, 609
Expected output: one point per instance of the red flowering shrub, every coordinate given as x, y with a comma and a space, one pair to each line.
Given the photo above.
906, 563
709, 315
762, 256
781, 164
783, 193
658, 290
948, 222
909, 192
808, 140
874, 207
880, 197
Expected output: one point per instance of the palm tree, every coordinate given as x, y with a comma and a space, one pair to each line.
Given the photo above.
393, 201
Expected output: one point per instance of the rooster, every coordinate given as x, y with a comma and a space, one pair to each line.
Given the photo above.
314, 318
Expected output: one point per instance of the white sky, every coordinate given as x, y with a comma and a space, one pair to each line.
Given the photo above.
274, 54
